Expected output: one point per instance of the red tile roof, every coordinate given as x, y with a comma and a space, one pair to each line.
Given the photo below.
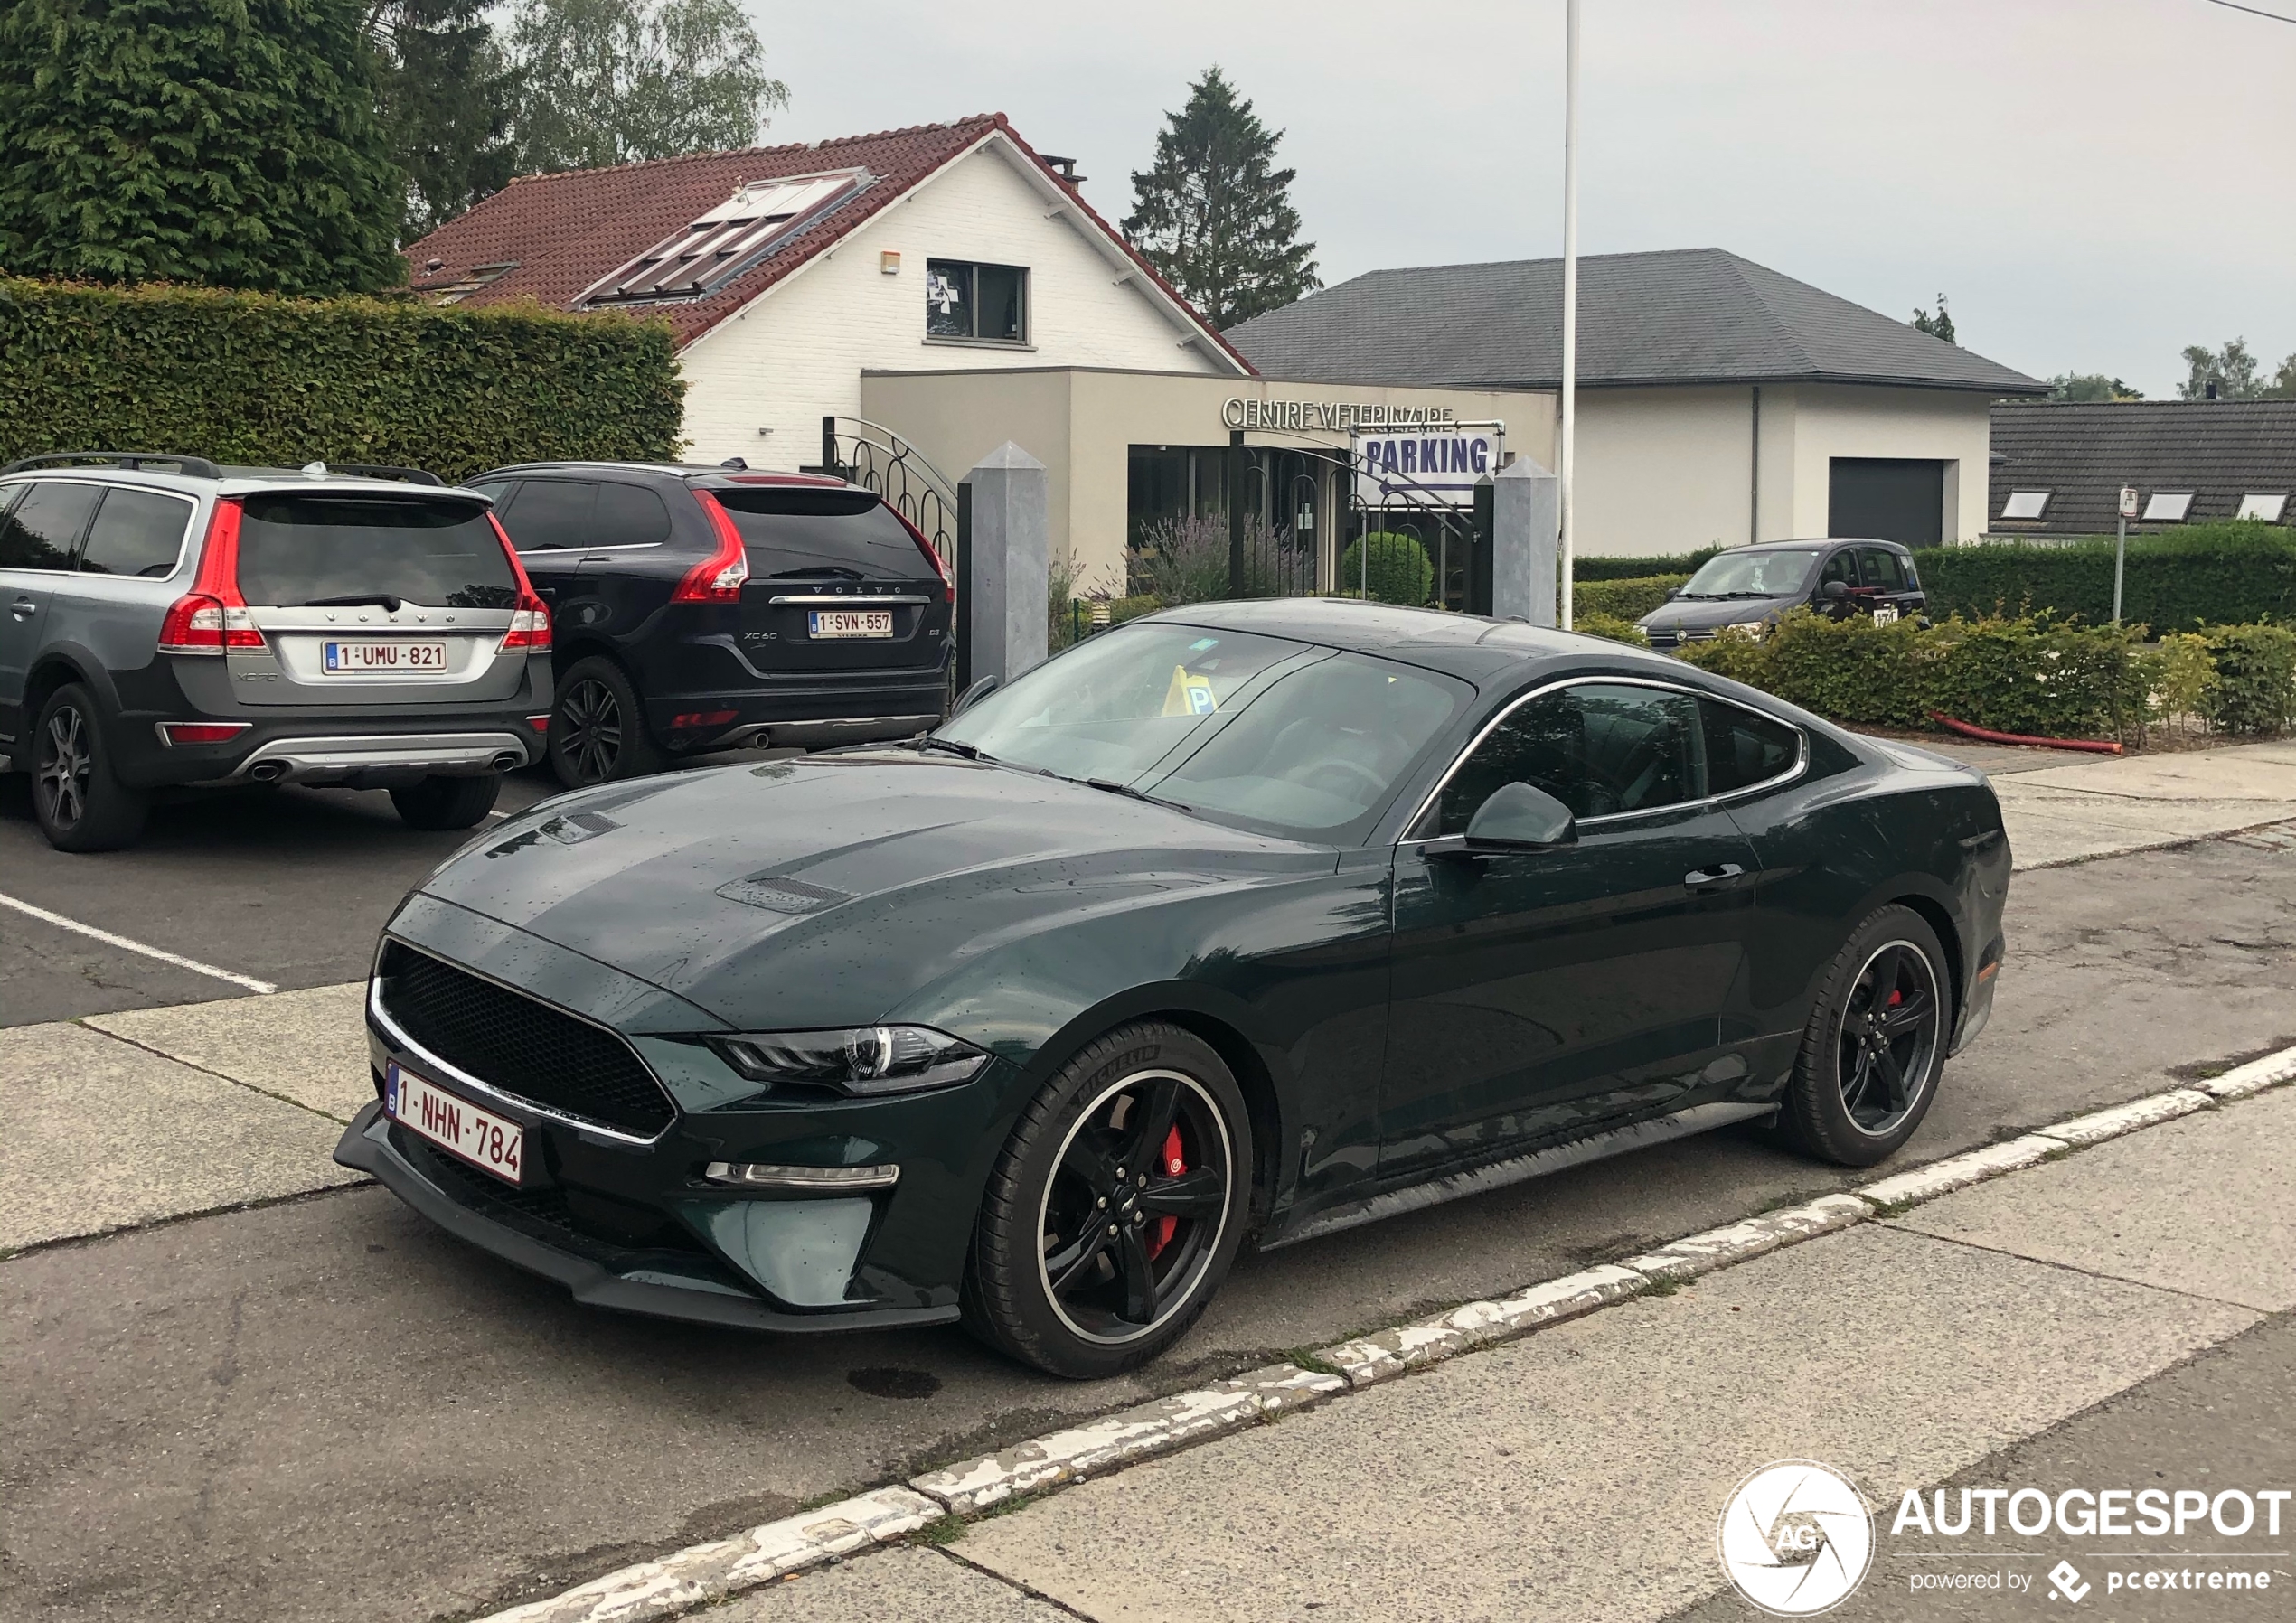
566, 231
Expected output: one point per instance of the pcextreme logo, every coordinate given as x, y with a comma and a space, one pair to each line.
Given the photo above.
1796, 1538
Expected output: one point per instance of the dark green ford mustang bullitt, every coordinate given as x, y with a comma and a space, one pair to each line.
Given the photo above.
1239, 924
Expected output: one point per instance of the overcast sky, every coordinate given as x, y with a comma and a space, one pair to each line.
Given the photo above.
2092, 183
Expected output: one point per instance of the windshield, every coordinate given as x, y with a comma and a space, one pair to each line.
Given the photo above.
1752, 574
1277, 734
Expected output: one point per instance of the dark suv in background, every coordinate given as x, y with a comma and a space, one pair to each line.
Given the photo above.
1747, 587
702, 608
165, 622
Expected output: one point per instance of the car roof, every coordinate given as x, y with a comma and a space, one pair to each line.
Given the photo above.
687, 471
1473, 647
1815, 541
239, 481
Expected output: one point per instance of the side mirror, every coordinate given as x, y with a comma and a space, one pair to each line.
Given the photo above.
972, 695
1672, 592
1516, 817
1834, 591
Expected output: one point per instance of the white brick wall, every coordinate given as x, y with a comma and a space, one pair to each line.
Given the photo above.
797, 352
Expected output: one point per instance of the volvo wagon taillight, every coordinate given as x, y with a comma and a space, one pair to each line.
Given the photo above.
932, 553
719, 577
530, 622
212, 616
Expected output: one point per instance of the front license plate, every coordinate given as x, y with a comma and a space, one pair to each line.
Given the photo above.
351, 658
853, 623
489, 1143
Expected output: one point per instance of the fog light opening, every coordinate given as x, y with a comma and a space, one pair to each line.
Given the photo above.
765, 1175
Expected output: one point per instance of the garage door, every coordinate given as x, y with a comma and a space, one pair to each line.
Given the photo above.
1888, 499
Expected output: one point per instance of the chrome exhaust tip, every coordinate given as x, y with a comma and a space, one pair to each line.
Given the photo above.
267, 772
507, 762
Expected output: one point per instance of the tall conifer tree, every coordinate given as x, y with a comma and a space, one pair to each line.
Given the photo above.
230, 142
1214, 215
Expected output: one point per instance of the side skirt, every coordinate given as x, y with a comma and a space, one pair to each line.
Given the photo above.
1521, 1168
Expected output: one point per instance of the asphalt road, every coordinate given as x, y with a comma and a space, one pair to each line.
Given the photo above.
325, 1409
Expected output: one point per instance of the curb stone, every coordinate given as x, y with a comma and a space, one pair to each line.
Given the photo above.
1695, 1254
1960, 1171
708, 1572
711, 1571
1388, 1353
2254, 1078
1148, 1429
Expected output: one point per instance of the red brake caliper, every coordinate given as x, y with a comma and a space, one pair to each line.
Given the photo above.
1175, 1163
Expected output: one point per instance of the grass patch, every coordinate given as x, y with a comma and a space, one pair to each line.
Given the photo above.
1300, 1358
1664, 1285
1894, 1209
947, 1531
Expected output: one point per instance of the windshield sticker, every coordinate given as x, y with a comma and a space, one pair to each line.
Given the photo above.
1188, 695
1200, 643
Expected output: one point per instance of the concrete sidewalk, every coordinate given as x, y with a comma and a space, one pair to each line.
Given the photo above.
2070, 812
1581, 1473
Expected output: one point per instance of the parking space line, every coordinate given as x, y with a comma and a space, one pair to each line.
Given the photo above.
121, 942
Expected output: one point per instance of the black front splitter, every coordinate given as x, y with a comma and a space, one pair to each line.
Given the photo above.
366, 1148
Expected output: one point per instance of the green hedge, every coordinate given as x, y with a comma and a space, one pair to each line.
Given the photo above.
1400, 570
2222, 573
253, 377
2034, 676
1625, 599
1584, 567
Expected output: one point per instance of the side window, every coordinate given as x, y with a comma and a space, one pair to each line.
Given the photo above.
1883, 568
1742, 749
1601, 748
550, 513
503, 492
136, 532
630, 515
42, 530
1841, 566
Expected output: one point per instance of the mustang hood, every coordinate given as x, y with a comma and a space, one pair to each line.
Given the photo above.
825, 891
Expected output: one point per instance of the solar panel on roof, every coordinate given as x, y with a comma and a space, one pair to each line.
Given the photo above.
727, 241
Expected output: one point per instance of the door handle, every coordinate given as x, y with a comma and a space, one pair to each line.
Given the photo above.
22, 608
1721, 877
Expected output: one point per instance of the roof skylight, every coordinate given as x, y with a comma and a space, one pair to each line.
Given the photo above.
2265, 507
2167, 507
2025, 504
727, 241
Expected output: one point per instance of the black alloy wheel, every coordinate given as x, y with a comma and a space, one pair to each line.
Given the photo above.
79, 804
1875, 1046
1116, 1208
598, 732
1888, 1037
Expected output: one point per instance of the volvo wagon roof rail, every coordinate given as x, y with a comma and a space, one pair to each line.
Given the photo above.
196, 467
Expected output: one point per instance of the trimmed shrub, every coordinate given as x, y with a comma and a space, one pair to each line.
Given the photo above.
2031, 676
1611, 627
1400, 570
2254, 685
2225, 573
1186, 560
255, 378
1585, 568
1625, 599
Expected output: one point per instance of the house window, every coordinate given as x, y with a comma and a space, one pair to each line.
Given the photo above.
2025, 504
2167, 507
984, 303
2265, 507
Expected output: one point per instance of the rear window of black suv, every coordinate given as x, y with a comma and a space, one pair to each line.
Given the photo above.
821, 534
296, 551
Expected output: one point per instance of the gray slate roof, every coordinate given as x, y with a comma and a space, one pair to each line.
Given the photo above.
1685, 315
2220, 450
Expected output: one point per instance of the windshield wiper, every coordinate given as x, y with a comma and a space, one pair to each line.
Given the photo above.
382, 600
1127, 790
971, 752
818, 572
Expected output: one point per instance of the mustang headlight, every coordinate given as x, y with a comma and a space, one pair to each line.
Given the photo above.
861, 1060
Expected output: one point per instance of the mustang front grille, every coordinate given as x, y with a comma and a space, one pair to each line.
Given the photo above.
522, 1045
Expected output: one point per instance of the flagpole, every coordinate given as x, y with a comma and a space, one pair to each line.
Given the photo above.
1570, 303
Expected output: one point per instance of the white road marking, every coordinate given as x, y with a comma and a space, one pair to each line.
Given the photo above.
108, 939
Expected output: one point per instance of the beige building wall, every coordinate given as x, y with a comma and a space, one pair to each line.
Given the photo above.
1671, 470
797, 352
1081, 422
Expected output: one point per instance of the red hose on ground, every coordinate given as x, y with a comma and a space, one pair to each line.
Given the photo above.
2101, 746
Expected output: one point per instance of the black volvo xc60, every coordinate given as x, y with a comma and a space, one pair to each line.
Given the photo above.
704, 608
